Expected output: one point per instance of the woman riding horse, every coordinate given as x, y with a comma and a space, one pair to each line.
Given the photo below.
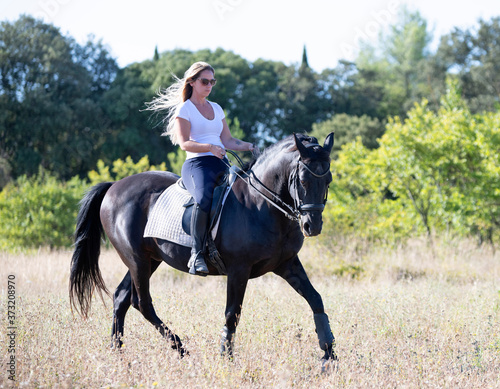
279, 200
199, 127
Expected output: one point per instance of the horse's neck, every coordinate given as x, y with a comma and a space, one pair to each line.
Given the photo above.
275, 172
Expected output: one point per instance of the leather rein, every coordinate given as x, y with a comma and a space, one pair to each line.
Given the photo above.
292, 213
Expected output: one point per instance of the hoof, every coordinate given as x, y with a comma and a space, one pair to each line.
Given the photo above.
227, 344
116, 344
329, 362
176, 344
183, 352
227, 353
329, 366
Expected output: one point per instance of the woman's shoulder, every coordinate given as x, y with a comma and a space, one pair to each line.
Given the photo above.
218, 109
184, 109
186, 104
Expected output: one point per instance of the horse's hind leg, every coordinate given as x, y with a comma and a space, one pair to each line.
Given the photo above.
121, 303
140, 277
124, 296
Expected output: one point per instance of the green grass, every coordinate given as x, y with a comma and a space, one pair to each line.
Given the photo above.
411, 316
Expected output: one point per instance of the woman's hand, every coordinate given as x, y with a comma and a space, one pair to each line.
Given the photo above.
218, 151
255, 151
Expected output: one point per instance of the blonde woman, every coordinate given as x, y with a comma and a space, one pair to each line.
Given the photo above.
199, 127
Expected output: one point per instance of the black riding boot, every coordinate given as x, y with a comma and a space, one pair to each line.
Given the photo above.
199, 225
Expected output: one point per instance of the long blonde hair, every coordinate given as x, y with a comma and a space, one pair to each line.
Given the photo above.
171, 98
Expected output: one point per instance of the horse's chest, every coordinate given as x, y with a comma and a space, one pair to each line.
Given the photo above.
292, 243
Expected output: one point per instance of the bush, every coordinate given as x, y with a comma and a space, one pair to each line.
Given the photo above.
39, 211
122, 169
433, 173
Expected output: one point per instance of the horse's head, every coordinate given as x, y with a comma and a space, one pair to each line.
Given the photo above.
309, 181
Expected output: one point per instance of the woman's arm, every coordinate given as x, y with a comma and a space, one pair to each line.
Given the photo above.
182, 127
232, 143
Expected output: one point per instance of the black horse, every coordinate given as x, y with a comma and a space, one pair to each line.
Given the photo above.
262, 229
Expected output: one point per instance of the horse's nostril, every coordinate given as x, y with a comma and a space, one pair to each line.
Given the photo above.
310, 229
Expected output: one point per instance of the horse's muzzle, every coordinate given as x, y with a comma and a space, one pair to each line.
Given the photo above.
311, 225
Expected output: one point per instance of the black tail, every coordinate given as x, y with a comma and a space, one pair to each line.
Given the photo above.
85, 275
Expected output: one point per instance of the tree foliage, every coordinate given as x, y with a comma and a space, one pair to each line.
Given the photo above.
393, 68
121, 169
347, 128
41, 210
433, 172
416, 131
64, 106
50, 90
473, 55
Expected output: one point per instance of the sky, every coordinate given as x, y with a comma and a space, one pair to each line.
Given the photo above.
273, 30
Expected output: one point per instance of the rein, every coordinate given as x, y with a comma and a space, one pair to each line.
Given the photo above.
292, 213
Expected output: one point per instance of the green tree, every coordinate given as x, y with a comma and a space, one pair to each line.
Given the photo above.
472, 54
442, 163
301, 103
257, 104
5, 171
352, 91
130, 130
49, 98
358, 199
347, 128
432, 173
395, 65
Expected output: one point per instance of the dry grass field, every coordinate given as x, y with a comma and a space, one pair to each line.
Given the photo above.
406, 317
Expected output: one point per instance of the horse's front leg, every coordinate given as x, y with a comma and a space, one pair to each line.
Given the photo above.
236, 285
293, 272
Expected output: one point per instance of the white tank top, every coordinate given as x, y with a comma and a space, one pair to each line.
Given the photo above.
203, 130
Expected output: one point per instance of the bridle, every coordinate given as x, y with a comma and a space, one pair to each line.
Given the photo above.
293, 213
294, 189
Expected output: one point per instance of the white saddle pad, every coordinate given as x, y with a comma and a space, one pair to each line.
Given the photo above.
165, 221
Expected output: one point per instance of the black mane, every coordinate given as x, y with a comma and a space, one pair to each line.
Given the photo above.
288, 143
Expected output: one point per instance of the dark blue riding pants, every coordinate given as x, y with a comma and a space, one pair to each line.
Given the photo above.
201, 175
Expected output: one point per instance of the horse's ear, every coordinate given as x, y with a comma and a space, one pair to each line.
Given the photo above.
329, 142
302, 149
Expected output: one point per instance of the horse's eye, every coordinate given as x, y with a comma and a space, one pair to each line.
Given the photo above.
303, 182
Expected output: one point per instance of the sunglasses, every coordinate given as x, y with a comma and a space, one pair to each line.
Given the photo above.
206, 81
